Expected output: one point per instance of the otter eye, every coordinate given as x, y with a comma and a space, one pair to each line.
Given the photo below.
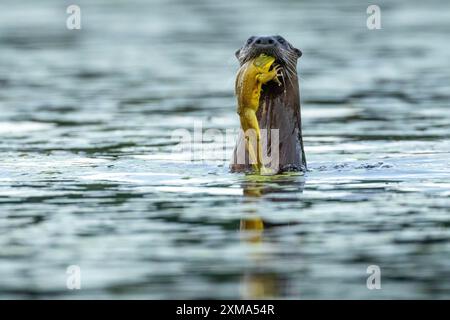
281, 40
250, 40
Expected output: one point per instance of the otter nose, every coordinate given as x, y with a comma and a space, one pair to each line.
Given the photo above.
264, 41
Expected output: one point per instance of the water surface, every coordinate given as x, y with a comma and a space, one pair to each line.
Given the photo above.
89, 175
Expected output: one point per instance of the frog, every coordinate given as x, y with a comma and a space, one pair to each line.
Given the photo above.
250, 78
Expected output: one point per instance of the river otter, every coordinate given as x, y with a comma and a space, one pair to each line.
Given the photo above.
279, 108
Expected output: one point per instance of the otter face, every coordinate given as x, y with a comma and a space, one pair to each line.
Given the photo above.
276, 46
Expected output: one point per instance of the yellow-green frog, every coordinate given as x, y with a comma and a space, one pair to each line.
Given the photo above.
251, 76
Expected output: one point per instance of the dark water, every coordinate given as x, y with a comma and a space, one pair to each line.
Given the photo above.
89, 175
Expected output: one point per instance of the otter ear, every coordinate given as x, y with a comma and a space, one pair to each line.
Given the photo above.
298, 52
237, 53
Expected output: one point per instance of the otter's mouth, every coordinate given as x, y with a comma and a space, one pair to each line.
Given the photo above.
270, 51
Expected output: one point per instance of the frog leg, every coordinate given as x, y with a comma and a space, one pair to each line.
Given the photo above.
250, 121
270, 75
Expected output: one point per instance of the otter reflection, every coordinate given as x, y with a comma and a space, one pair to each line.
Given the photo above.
262, 284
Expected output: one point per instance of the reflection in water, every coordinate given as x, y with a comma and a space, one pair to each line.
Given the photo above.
263, 285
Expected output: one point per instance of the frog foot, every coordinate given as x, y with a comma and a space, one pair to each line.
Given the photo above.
278, 73
264, 171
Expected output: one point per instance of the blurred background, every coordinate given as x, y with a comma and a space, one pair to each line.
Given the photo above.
89, 177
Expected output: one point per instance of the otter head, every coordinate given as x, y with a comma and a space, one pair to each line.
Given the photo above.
274, 46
